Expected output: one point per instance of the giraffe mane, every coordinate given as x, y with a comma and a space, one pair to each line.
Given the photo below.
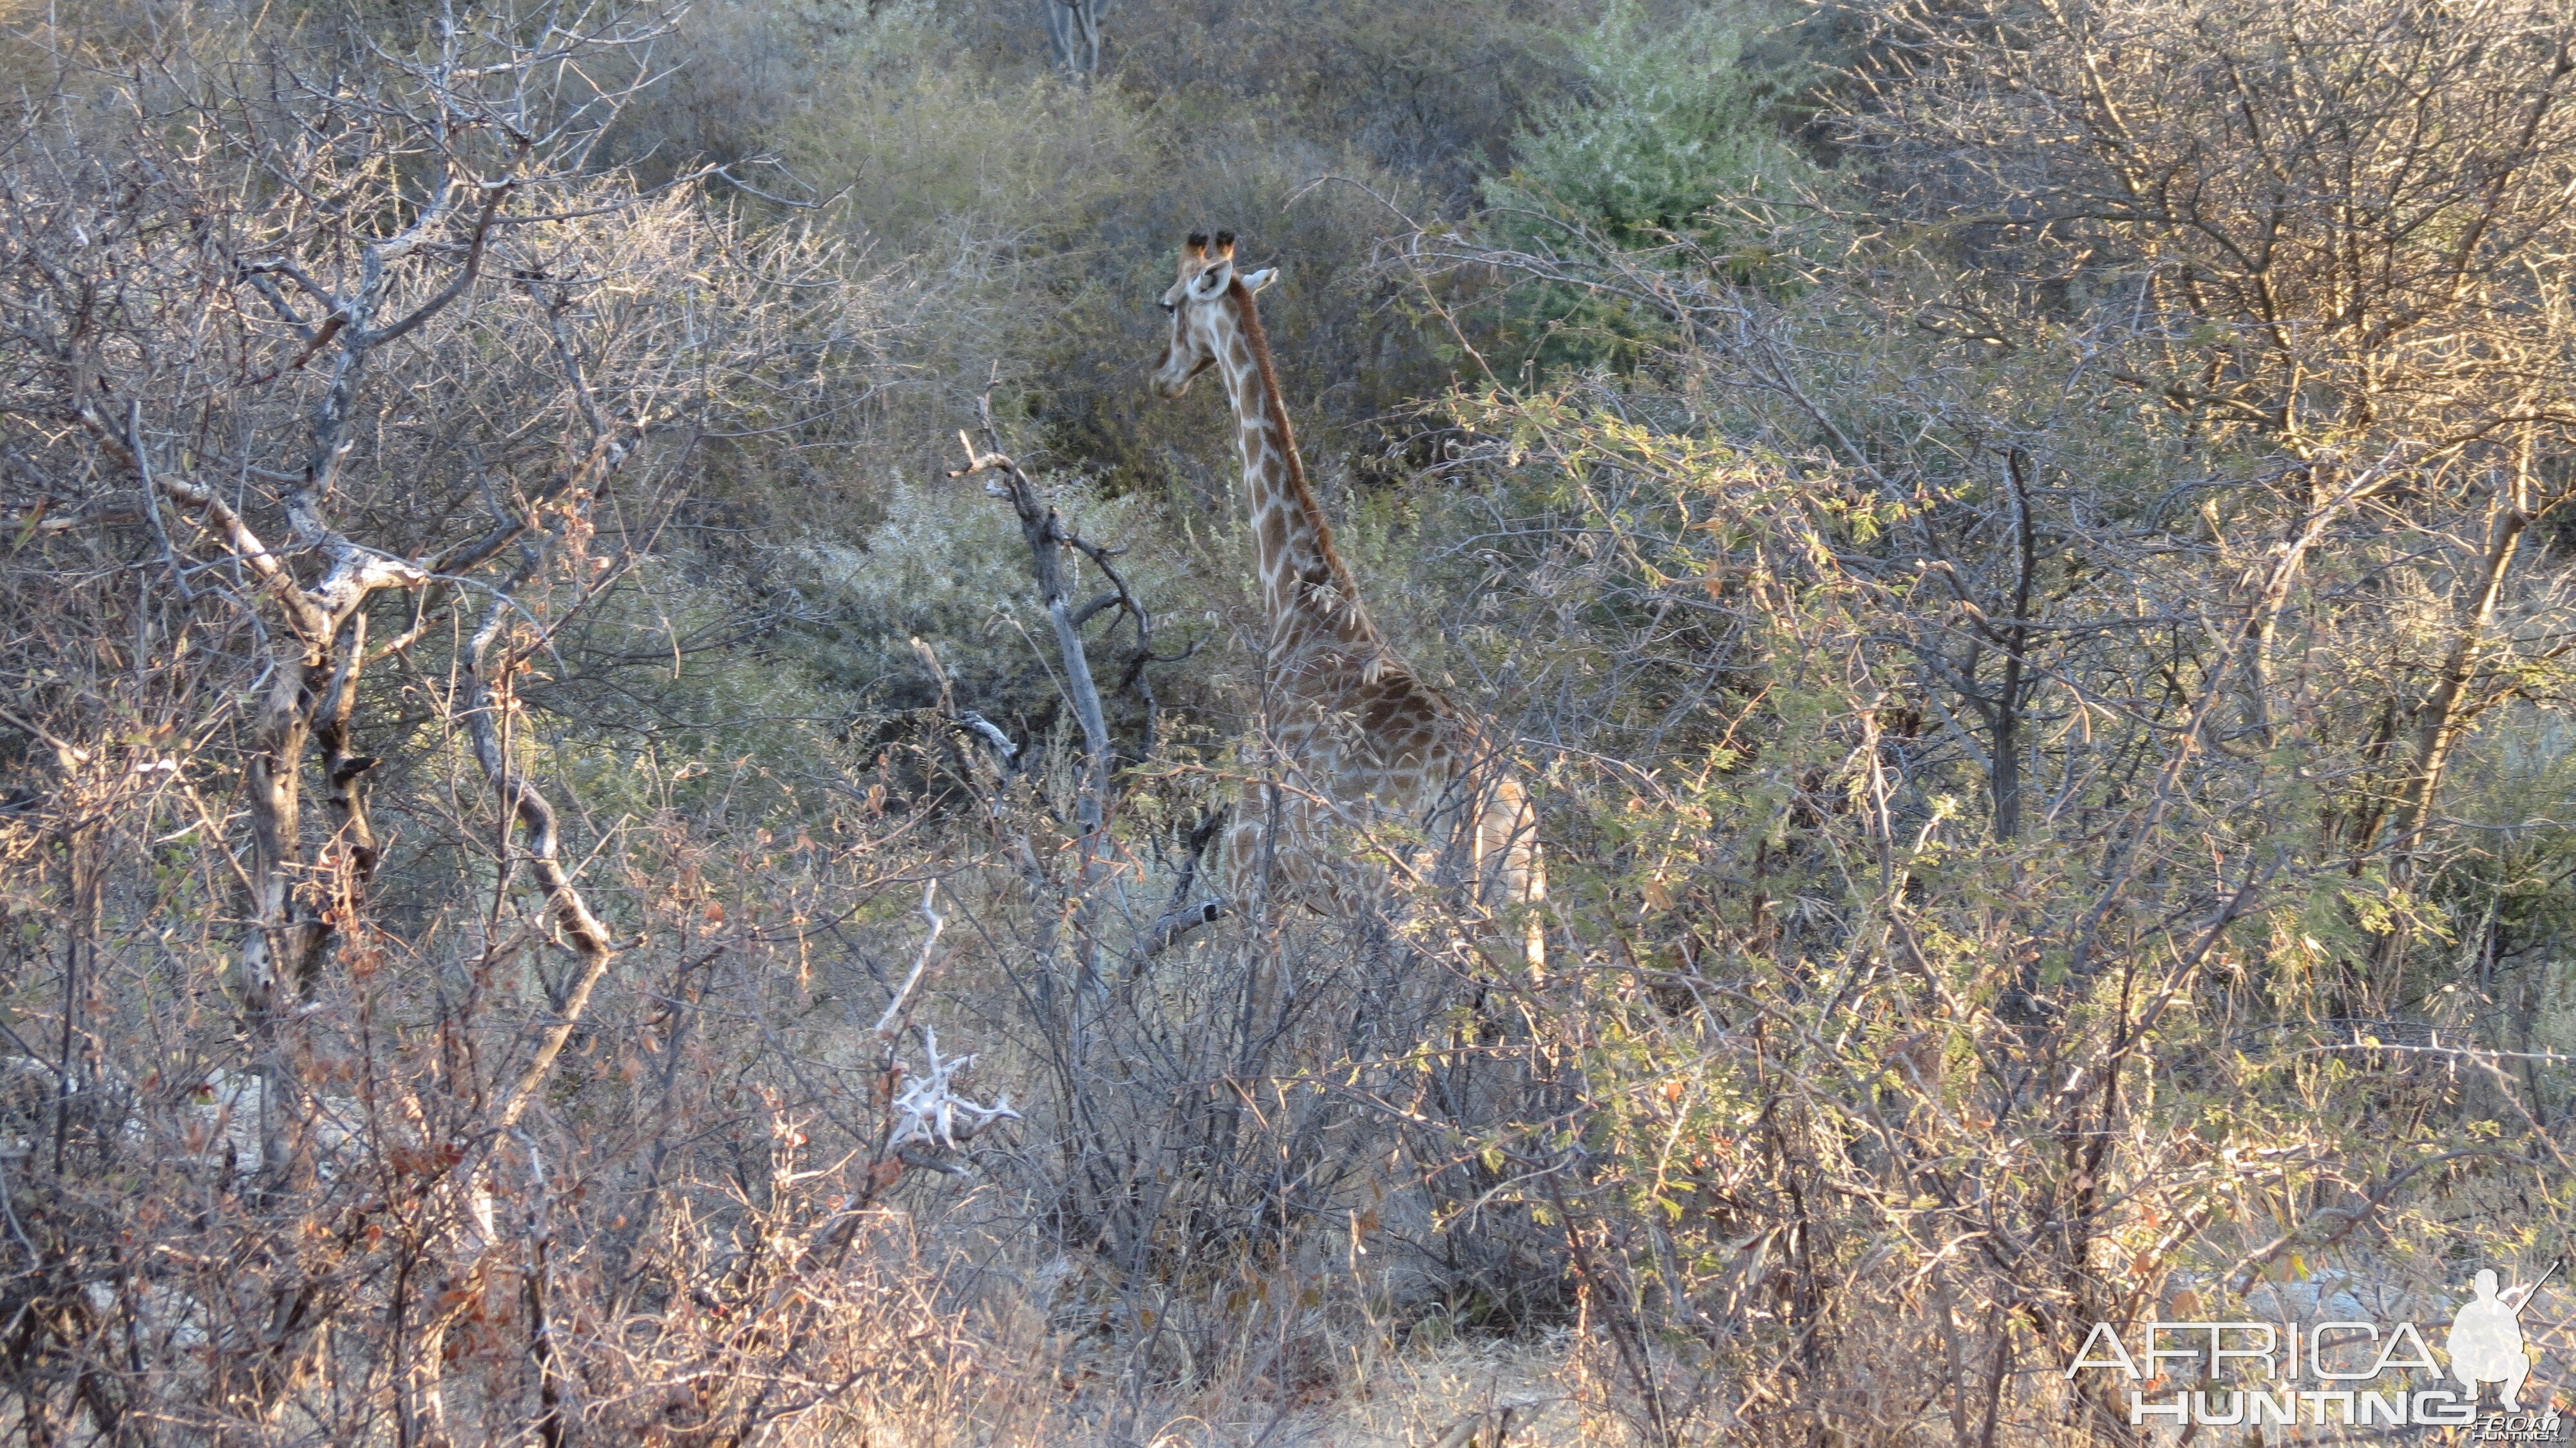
1259, 342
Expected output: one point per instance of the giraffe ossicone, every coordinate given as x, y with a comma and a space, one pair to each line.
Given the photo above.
1371, 762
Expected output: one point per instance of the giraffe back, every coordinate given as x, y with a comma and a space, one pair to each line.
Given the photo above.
1383, 784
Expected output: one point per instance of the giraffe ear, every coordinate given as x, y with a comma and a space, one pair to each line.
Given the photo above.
1254, 281
1212, 282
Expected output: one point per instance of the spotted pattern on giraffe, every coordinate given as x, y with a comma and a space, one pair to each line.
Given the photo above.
1368, 754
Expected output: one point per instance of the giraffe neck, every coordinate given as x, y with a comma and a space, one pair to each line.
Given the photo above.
1304, 584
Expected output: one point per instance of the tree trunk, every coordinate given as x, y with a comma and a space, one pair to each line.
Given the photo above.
2442, 719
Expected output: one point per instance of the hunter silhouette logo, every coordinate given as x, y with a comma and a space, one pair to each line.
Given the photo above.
2364, 1382
2486, 1337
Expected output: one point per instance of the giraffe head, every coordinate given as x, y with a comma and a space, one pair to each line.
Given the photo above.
1202, 305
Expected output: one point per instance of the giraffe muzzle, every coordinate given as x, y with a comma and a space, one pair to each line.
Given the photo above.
1170, 381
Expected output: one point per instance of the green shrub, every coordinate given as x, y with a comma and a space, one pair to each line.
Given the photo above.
1674, 147
948, 567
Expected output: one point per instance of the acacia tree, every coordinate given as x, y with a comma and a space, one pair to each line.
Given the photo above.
2154, 456
336, 384
205, 330
2334, 228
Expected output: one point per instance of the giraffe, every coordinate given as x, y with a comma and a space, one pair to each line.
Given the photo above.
1363, 742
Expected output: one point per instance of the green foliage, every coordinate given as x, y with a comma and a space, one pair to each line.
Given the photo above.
1675, 145
948, 567
1675, 134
